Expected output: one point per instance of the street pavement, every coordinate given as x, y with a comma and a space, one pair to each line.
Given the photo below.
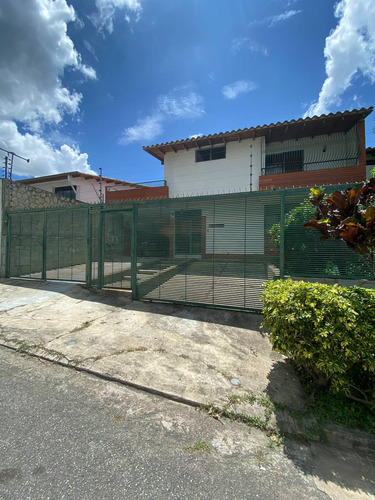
68, 435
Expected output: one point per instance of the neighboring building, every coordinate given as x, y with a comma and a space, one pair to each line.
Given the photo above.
329, 149
370, 161
78, 186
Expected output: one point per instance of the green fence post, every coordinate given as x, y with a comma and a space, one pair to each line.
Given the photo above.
88, 250
8, 246
100, 249
282, 235
44, 247
134, 251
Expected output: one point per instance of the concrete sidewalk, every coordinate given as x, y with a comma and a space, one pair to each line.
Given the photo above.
183, 353
187, 353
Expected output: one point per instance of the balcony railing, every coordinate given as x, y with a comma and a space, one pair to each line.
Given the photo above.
300, 167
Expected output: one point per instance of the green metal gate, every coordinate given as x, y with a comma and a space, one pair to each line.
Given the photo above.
214, 251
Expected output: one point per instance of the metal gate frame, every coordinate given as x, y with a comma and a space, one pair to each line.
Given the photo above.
96, 214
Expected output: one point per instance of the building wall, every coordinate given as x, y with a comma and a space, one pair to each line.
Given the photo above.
87, 192
143, 193
231, 174
327, 173
342, 154
231, 236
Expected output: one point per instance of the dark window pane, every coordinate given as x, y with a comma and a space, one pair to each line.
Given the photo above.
281, 163
202, 155
66, 191
207, 154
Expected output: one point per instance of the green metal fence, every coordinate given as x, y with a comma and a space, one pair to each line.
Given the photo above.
215, 251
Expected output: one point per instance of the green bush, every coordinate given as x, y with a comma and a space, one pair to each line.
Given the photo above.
327, 330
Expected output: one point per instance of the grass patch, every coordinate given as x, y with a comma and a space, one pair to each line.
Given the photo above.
327, 407
199, 447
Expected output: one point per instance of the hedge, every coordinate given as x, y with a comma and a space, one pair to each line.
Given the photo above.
327, 330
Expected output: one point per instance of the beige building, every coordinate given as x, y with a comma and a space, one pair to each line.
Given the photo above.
77, 185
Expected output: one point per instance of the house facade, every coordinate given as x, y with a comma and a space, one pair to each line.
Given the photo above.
78, 186
329, 149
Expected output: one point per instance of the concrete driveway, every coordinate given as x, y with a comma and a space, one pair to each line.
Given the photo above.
187, 353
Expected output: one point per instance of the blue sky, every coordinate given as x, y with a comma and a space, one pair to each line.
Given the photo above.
86, 84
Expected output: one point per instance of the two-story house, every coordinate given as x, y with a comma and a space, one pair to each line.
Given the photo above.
322, 150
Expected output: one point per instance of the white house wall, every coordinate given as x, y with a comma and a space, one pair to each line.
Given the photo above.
230, 235
185, 177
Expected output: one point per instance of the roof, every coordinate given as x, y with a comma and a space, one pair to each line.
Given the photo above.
64, 175
274, 132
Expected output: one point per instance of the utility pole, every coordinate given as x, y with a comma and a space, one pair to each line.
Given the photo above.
8, 163
8, 169
101, 185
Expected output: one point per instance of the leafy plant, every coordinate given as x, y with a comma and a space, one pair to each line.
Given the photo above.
348, 216
303, 251
328, 331
297, 250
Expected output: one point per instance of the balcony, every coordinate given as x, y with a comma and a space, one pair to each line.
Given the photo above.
311, 161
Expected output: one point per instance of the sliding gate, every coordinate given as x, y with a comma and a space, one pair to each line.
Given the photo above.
214, 251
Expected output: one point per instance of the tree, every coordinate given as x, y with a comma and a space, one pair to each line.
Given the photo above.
348, 216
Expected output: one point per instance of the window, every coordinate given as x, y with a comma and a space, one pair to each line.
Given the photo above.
283, 163
207, 154
66, 191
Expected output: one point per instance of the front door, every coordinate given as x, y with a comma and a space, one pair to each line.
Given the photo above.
188, 232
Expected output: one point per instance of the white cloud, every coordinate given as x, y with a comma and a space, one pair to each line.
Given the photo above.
35, 51
90, 49
233, 90
272, 20
178, 104
145, 129
349, 49
45, 159
106, 11
245, 43
282, 17
195, 136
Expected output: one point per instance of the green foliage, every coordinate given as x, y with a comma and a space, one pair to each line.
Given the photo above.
328, 331
297, 250
347, 216
303, 250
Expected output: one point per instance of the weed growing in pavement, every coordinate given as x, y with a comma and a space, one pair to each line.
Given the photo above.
199, 446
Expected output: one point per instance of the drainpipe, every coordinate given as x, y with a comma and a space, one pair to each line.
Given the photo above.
251, 167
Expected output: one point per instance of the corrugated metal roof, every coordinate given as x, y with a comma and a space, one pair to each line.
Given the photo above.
273, 132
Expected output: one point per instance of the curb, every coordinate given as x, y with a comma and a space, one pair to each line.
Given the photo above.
342, 438
110, 378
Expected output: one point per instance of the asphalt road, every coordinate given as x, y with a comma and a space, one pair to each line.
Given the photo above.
67, 435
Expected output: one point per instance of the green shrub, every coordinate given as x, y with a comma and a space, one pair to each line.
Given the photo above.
327, 330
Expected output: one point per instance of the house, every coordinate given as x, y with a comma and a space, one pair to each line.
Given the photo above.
326, 149
79, 186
